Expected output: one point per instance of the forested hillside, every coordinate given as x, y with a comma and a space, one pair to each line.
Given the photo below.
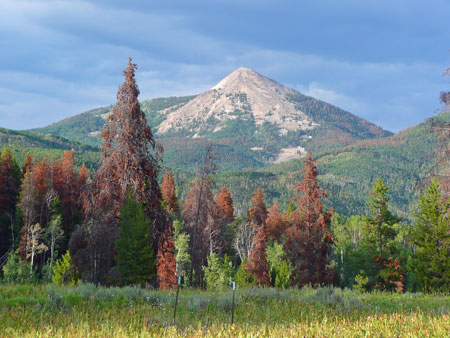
403, 161
85, 127
46, 145
346, 173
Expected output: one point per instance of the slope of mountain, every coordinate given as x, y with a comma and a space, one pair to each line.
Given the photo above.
246, 95
403, 161
250, 119
44, 145
86, 127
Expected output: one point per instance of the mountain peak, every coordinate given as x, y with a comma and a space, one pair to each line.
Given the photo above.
246, 95
241, 76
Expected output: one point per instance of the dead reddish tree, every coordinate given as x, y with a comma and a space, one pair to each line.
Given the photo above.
275, 224
309, 242
67, 185
166, 268
258, 213
130, 160
130, 156
83, 177
225, 204
168, 193
28, 164
257, 264
199, 214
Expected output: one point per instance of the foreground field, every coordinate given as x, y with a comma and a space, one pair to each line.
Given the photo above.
87, 311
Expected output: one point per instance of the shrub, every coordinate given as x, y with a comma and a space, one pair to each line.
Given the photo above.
243, 278
218, 273
280, 268
64, 272
16, 272
361, 282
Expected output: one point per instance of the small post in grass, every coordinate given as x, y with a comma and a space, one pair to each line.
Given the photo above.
233, 287
176, 299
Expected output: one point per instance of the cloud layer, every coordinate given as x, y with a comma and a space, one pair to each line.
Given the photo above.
380, 60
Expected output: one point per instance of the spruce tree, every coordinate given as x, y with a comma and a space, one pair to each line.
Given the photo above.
379, 240
258, 212
131, 158
309, 242
225, 205
257, 265
431, 263
135, 258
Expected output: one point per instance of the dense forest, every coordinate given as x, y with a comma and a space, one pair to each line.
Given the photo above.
120, 219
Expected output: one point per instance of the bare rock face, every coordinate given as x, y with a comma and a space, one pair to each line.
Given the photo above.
244, 94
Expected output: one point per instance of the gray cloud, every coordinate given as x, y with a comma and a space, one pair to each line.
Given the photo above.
380, 60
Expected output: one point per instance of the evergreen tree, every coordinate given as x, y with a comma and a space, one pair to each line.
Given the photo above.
258, 212
225, 204
127, 160
275, 224
135, 257
130, 159
280, 268
431, 263
309, 242
166, 268
10, 176
379, 240
257, 265
168, 193
64, 272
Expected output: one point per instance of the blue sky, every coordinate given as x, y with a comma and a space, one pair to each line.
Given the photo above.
381, 60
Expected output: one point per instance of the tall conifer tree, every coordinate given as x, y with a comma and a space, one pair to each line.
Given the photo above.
309, 242
431, 263
130, 160
258, 213
168, 193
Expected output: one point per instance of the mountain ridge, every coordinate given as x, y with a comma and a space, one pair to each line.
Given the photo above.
252, 119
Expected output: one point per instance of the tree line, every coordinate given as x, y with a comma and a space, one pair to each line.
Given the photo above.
119, 226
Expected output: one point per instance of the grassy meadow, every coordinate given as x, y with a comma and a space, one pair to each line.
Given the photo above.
87, 311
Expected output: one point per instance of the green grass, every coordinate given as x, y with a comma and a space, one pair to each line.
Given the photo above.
87, 311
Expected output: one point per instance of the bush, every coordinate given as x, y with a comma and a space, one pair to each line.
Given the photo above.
64, 272
337, 298
361, 282
243, 278
280, 268
16, 272
218, 273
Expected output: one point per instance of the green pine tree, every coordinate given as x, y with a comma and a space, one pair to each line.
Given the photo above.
431, 263
378, 244
135, 257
